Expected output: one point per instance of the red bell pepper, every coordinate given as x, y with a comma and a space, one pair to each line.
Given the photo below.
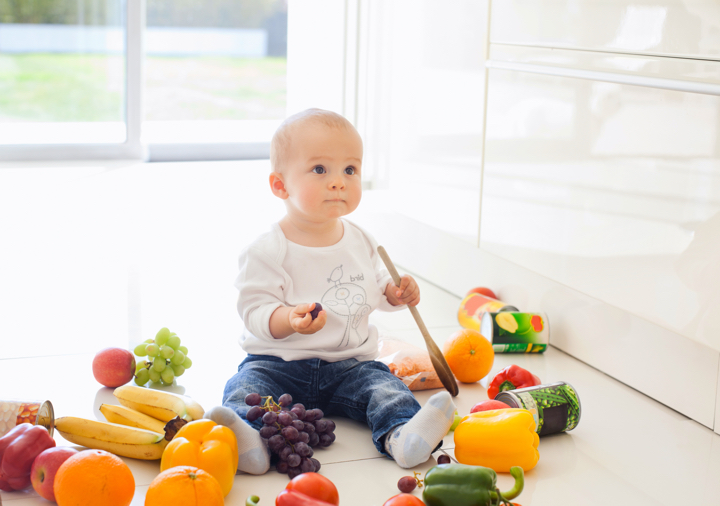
11, 436
510, 378
18, 449
5, 441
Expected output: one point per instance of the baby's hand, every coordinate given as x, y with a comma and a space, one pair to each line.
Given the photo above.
302, 322
407, 293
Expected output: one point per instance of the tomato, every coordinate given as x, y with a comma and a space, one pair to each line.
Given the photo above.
404, 500
488, 405
482, 291
316, 486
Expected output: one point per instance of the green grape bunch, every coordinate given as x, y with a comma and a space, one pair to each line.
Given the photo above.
166, 359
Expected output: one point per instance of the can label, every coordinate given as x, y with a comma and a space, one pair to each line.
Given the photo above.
555, 407
515, 332
519, 348
475, 305
14, 413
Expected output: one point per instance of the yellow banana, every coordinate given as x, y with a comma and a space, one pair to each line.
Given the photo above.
156, 403
118, 439
131, 418
194, 409
141, 452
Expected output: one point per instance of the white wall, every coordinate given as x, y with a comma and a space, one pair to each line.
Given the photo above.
316, 55
599, 176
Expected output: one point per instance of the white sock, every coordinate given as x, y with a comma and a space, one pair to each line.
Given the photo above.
253, 453
411, 444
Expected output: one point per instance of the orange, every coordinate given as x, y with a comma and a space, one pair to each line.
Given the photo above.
94, 478
184, 486
469, 355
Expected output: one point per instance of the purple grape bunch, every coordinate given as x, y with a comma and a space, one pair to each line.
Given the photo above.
291, 432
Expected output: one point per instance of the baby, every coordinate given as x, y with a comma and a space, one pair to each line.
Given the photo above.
313, 255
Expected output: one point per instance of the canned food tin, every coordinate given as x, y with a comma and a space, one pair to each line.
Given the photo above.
514, 332
475, 305
555, 407
13, 413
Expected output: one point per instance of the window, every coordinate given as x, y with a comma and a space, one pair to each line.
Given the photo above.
215, 71
62, 72
160, 79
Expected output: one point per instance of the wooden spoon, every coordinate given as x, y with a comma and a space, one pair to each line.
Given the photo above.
436, 357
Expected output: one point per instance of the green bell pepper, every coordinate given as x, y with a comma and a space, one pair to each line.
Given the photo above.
463, 485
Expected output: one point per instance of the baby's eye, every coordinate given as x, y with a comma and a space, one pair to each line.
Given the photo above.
350, 170
319, 169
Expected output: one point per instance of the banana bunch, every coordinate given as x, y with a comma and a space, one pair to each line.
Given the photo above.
131, 418
137, 428
112, 437
158, 404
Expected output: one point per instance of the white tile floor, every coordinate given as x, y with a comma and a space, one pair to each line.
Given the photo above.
97, 255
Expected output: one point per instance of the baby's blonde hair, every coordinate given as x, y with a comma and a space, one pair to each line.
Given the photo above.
282, 140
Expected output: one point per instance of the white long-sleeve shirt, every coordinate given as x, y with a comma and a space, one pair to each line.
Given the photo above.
347, 278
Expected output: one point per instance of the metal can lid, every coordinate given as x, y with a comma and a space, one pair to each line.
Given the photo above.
579, 406
486, 326
547, 325
509, 398
46, 417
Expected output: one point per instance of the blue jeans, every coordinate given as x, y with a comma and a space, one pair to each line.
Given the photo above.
363, 391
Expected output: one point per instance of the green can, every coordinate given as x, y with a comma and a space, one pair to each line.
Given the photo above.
555, 407
515, 332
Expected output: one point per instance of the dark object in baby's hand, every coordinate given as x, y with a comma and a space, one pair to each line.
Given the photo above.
314, 313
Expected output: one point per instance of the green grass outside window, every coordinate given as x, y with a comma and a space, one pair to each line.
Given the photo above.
78, 87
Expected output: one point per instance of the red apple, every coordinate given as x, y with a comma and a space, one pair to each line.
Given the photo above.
488, 405
483, 291
113, 367
45, 465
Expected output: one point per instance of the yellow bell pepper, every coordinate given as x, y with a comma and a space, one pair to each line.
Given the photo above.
498, 439
207, 445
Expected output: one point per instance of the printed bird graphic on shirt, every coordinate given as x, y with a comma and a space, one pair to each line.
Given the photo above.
336, 275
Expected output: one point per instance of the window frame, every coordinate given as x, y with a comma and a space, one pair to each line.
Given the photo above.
133, 147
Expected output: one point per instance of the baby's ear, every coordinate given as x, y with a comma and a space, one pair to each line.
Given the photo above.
277, 185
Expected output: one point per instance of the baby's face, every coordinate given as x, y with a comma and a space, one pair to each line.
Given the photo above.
322, 172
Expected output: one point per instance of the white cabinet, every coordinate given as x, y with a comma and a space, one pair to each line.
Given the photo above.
612, 189
602, 173
686, 28
599, 189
